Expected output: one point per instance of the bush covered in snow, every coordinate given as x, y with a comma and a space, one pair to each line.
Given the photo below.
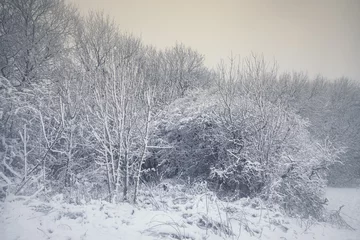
258, 150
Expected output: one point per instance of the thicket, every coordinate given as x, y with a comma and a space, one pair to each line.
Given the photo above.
243, 145
91, 112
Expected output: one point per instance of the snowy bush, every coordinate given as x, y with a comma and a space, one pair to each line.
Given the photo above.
263, 150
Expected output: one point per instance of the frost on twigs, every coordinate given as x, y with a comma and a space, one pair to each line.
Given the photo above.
335, 218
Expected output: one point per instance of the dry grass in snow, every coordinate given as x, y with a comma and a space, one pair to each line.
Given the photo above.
177, 213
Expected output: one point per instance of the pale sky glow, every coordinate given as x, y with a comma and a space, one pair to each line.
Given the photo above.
318, 36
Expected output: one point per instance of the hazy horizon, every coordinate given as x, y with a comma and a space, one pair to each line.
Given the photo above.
318, 37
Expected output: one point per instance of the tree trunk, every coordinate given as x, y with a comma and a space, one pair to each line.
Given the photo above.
126, 174
108, 174
143, 152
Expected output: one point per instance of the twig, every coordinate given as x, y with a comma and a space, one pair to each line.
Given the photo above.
43, 233
60, 130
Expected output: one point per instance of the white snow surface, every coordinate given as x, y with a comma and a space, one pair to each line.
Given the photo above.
171, 216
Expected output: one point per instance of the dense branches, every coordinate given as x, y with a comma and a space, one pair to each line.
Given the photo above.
244, 145
33, 35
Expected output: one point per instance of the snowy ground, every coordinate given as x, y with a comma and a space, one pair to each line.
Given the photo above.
350, 199
171, 216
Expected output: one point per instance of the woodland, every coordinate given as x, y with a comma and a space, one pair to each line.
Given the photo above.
93, 112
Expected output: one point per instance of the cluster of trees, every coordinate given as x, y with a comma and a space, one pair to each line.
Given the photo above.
88, 110
77, 97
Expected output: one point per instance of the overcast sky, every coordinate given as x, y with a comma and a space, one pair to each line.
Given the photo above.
318, 36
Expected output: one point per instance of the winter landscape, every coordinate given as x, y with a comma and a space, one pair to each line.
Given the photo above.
103, 136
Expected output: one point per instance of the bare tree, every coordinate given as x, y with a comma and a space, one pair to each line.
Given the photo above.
145, 141
114, 64
182, 68
33, 34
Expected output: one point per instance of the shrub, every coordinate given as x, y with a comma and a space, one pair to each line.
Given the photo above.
258, 150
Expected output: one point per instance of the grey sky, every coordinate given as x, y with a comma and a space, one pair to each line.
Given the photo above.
315, 36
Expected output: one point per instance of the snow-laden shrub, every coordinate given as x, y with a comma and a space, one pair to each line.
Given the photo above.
251, 148
184, 133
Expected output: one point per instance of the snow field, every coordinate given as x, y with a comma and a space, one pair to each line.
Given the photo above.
172, 214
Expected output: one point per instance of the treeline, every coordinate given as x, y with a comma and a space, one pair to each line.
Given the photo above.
90, 111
